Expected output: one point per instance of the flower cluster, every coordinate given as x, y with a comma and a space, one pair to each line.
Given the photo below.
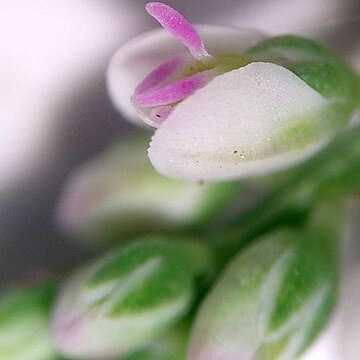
195, 275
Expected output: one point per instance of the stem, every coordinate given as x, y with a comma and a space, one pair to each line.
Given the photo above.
331, 174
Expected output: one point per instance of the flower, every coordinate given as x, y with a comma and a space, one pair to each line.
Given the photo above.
136, 59
246, 106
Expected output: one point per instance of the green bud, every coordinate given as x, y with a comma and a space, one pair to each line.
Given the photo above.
271, 301
119, 193
24, 324
128, 297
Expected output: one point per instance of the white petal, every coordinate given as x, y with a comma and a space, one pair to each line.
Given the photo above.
239, 125
137, 58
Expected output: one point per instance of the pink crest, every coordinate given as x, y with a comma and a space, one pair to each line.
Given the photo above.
176, 24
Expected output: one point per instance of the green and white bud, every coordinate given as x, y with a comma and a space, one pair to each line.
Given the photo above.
270, 303
128, 298
119, 193
319, 67
24, 324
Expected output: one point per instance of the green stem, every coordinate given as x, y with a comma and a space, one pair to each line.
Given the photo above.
332, 173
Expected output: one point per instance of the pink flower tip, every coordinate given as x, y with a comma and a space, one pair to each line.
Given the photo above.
178, 25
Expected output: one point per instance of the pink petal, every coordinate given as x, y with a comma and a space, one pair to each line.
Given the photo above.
135, 60
163, 74
176, 24
174, 92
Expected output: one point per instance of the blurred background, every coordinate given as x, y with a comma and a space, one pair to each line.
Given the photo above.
55, 113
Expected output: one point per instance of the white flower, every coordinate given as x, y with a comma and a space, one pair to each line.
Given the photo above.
221, 112
136, 59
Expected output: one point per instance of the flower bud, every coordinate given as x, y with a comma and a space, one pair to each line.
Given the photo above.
270, 303
24, 324
246, 122
119, 193
127, 298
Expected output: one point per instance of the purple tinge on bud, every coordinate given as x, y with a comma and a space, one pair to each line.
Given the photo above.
176, 24
174, 92
164, 86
